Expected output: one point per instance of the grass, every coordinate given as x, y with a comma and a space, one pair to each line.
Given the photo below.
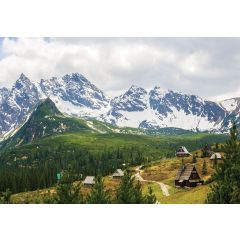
38, 195
165, 171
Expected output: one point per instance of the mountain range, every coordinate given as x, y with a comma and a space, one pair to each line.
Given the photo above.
156, 109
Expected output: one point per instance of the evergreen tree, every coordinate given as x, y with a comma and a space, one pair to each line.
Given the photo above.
227, 183
130, 191
124, 192
151, 198
204, 168
6, 196
68, 191
99, 195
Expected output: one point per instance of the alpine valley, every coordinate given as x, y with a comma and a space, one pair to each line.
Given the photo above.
68, 124
157, 110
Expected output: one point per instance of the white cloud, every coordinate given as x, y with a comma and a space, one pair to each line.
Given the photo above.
191, 65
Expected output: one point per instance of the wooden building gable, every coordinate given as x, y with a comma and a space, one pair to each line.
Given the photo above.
187, 176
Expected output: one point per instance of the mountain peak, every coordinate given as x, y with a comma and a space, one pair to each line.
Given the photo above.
47, 108
77, 77
159, 90
135, 89
22, 81
22, 76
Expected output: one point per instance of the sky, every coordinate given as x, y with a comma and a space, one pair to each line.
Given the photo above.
208, 67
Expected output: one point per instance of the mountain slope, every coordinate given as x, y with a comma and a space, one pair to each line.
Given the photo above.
19, 101
74, 94
161, 108
150, 110
45, 120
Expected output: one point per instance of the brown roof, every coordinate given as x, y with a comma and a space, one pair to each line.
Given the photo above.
184, 172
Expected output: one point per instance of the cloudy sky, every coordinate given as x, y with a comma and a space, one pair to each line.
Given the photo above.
208, 67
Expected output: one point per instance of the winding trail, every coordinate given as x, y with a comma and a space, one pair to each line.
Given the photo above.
163, 186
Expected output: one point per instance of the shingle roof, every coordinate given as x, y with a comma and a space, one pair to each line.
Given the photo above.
118, 173
216, 156
89, 180
184, 172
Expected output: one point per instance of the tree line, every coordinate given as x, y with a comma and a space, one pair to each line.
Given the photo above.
39, 168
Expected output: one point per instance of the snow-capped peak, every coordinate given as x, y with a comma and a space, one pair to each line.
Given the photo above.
76, 95
160, 91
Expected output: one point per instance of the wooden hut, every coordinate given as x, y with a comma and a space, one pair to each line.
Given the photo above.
118, 173
188, 176
183, 152
89, 181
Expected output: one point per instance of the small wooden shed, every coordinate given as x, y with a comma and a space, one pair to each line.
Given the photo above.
183, 152
188, 176
89, 181
118, 173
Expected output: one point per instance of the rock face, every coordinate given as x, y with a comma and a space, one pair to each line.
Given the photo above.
158, 108
45, 120
74, 94
17, 103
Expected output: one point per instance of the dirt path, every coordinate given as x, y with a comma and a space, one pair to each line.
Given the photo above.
163, 186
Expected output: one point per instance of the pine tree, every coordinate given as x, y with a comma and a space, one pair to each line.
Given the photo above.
68, 191
99, 195
204, 168
6, 196
151, 198
227, 185
124, 192
130, 191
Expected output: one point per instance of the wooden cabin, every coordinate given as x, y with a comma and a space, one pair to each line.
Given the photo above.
183, 152
89, 181
188, 176
118, 173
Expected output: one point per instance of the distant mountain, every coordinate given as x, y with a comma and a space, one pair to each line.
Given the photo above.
150, 110
74, 94
161, 108
17, 102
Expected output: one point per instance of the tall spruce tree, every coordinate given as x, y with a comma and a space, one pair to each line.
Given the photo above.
6, 197
226, 188
130, 191
125, 190
98, 194
151, 198
68, 191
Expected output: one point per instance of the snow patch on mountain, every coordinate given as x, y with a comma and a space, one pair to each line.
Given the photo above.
231, 105
74, 95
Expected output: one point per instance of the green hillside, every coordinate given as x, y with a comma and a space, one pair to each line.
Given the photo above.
50, 141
